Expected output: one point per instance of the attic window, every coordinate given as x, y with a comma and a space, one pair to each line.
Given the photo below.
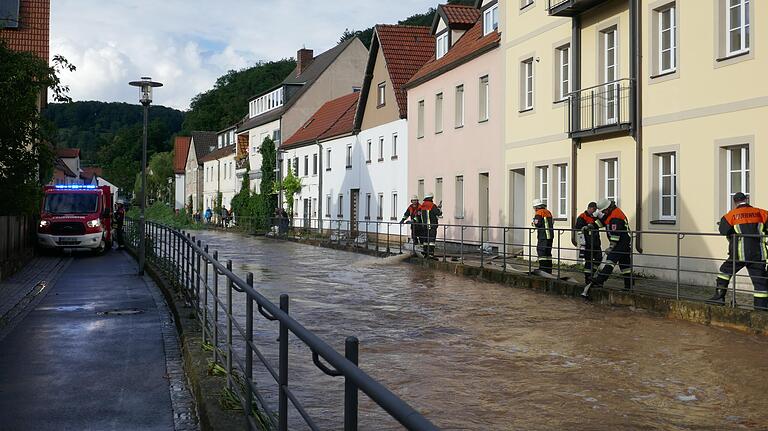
381, 92
491, 19
442, 45
9, 13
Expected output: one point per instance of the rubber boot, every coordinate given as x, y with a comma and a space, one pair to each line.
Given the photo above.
629, 283
719, 297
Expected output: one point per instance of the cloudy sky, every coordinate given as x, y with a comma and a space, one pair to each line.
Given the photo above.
187, 44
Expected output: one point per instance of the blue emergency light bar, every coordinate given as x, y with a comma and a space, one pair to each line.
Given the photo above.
75, 187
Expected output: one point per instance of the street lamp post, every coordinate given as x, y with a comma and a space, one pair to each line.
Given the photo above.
145, 88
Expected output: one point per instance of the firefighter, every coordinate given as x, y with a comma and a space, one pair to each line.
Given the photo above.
412, 213
542, 221
619, 252
428, 217
750, 249
118, 219
590, 248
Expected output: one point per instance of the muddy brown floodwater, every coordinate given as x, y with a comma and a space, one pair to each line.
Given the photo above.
471, 355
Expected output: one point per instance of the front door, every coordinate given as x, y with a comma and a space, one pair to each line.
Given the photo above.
519, 220
354, 204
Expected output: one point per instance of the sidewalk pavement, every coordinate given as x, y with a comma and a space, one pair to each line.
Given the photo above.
97, 352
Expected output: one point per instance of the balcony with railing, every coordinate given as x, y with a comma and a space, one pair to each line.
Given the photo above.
604, 108
570, 7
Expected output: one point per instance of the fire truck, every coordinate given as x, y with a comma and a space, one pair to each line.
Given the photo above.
76, 217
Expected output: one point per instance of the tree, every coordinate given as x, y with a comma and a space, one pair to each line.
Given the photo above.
160, 171
290, 185
26, 157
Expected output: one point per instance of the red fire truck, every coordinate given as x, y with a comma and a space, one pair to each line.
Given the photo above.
76, 217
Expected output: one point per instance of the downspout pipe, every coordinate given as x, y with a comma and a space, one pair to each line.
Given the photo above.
574, 117
635, 20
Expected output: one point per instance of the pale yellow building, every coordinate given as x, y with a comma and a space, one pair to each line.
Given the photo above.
656, 104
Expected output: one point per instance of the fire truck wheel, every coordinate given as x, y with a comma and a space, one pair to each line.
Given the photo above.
101, 249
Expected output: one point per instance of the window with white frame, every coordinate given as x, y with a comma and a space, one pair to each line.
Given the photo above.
314, 164
420, 120
563, 72
328, 160
394, 145
349, 156
438, 190
610, 175
381, 148
420, 189
340, 214
737, 26
525, 3
306, 165
295, 166
667, 204
459, 189
369, 146
459, 114
327, 205
526, 85
737, 165
314, 207
484, 99
491, 19
382, 94
562, 191
542, 184
393, 212
439, 113
442, 45
367, 206
610, 74
380, 212
667, 39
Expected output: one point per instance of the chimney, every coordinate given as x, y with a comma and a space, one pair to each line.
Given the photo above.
304, 58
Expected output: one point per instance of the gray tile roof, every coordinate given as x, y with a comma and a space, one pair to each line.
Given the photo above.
203, 141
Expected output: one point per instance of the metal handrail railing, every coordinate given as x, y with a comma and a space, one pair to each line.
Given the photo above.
186, 261
673, 273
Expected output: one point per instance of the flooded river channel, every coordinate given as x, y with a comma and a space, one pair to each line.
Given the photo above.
471, 355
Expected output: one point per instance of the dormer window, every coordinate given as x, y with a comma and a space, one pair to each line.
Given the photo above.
491, 19
381, 92
442, 45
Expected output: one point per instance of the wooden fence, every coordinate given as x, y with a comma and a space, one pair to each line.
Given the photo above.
16, 243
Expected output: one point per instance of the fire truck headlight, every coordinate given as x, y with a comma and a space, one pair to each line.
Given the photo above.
44, 223
94, 223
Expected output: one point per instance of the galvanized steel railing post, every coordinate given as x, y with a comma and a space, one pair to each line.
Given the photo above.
388, 250
205, 297
559, 235
677, 277
197, 277
504, 252
734, 256
461, 245
445, 245
215, 309
248, 350
530, 250
229, 326
482, 248
351, 351
282, 416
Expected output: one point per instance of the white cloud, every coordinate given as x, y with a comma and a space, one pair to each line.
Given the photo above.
187, 44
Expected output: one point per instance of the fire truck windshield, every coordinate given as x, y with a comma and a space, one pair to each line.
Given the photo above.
71, 203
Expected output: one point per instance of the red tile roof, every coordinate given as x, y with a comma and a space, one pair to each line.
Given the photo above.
180, 153
460, 15
334, 118
90, 172
406, 49
33, 30
68, 153
470, 44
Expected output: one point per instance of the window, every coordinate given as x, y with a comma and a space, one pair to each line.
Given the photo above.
439, 113
667, 203
394, 145
459, 210
314, 164
459, 106
9, 14
340, 213
314, 207
306, 165
420, 120
667, 39
420, 189
349, 156
525, 3
328, 205
382, 91
563, 72
367, 206
484, 99
328, 160
438, 190
562, 191
394, 206
610, 175
610, 74
296, 166
381, 148
380, 213
276, 136
526, 86
369, 145
491, 19
542, 181
737, 26
442, 45
737, 165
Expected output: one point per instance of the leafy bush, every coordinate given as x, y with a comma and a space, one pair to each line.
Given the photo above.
162, 213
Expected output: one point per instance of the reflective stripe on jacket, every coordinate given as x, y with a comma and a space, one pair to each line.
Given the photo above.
429, 213
542, 220
750, 222
616, 225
